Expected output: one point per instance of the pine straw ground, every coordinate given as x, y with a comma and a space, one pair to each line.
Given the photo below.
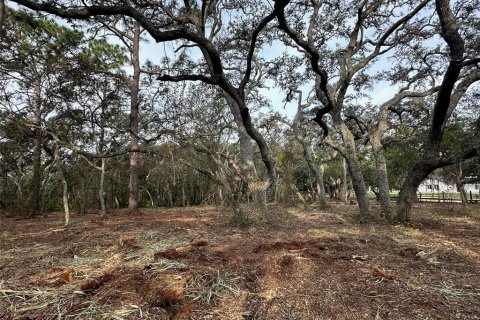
191, 263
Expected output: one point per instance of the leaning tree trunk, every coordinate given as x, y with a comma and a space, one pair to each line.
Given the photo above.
260, 141
408, 192
320, 188
256, 187
246, 158
245, 141
349, 153
133, 194
307, 153
358, 184
430, 158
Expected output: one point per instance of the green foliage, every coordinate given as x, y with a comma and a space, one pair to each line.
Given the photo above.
49, 71
367, 162
103, 56
401, 156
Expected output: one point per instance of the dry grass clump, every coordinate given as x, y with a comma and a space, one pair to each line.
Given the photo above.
449, 291
19, 302
211, 286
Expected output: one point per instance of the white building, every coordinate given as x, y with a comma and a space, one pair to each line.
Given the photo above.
472, 184
472, 187
436, 184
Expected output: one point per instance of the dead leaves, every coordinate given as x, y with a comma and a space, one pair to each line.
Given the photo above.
60, 276
379, 273
166, 291
66, 277
126, 241
197, 245
94, 284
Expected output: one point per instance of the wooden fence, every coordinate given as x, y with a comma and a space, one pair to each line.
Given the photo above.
447, 197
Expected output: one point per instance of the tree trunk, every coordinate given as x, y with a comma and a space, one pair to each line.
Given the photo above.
463, 195
358, 184
461, 189
152, 203
83, 196
101, 189
430, 158
320, 188
322, 194
256, 188
383, 185
246, 147
37, 178
2, 15
65, 195
183, 194
349, 154
344, 191
261, 143
408, 193
100, 147
246, 163
295, 190
220, 196
133, 195
37, 153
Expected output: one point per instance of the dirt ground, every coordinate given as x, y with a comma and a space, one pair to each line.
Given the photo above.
191, 263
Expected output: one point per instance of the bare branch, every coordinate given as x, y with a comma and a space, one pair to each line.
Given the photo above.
187, 77
263, 23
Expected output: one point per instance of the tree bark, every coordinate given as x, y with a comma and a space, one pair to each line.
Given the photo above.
100, 146
344, 191
37, 178
65, 195
320, 188
246, 147
461, 189
349, 153
358, 184
101, 189
300, 135
37, 152
83, 195
258, 138
382, 176
408, 193
2, 15
133, 194
307, 154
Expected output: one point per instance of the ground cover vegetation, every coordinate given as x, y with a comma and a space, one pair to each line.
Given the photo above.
275, 131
